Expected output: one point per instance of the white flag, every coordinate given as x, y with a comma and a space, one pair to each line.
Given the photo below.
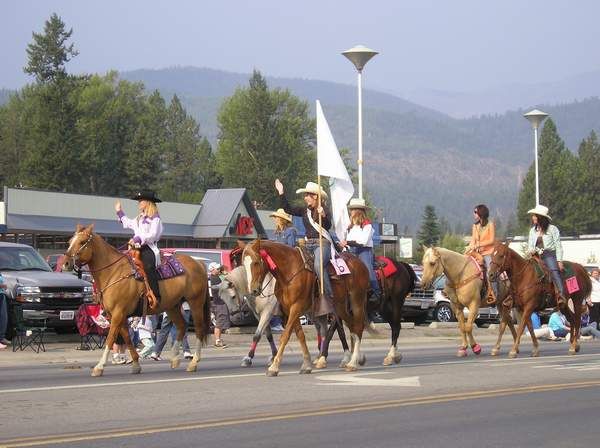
330, 164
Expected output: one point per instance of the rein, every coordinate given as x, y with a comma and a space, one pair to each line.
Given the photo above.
462, 282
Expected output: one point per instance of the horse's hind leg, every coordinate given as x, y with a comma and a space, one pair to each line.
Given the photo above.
198, 308
536, 346
179, 322
325, 333
393, 356
342, 335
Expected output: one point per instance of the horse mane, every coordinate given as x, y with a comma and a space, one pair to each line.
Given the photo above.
238, 277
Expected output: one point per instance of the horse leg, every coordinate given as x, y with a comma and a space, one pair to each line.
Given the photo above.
263, 323
393, 356
271, 341
526, 317
473, 312
342, 335
177, 319
115, 326
306, 363
575, 324
293, 319
325, 335
504, 321
356, 355
198, 308
536, 346
458, 312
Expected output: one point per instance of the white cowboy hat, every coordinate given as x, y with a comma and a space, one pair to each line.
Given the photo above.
311, 188
540, 210
280, 213
357, 203
214, 265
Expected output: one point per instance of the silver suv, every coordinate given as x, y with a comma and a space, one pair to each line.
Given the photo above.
41, 292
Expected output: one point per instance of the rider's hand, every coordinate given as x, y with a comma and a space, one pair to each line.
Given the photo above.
320, 211
279, 186
118, 206
343, 243
561, 266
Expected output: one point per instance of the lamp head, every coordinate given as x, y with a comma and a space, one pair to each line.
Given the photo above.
359, 56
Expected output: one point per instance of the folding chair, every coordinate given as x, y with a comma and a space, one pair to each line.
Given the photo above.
92, 335
28, 333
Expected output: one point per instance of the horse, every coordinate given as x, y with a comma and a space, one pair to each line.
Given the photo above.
528, 291
294, 289
121, 294
234, 291
463, 288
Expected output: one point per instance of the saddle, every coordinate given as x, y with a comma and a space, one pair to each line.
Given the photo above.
545, 277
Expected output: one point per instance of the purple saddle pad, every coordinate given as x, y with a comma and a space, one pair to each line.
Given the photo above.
169, 267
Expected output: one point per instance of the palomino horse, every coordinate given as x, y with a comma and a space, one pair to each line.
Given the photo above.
234, 290
463, 288
295, 288
528, 291
120, 294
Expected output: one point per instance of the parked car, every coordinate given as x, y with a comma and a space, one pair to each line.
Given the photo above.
221, 256
56, 262
41, 292
419, 302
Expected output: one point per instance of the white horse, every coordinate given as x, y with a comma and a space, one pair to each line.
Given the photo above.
234, 292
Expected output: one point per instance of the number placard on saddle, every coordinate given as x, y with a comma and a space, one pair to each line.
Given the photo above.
340, 266
572, 285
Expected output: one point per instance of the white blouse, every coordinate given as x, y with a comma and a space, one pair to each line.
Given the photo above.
361, 235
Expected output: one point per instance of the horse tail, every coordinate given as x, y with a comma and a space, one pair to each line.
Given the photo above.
411, 273
206, 314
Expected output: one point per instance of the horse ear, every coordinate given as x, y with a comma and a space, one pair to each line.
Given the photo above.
78, 228
424, 247
90, 228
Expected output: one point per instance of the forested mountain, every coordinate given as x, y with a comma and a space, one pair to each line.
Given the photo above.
413, 156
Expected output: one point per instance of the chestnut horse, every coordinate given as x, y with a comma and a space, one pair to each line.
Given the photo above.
295, 288
528, 291
120, 294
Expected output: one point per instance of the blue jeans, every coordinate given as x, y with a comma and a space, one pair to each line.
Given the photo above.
487, 259
590, 330
168, 328
366, 256
3, 315
549, 259
314, 248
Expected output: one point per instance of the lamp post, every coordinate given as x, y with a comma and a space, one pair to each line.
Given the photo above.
536, 117
359, 56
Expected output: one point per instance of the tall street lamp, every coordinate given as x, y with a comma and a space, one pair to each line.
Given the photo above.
536, 117
359, 56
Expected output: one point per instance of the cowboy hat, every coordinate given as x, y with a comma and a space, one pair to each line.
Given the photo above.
311, 188
146, 195
540, 210
280, 213
357, 203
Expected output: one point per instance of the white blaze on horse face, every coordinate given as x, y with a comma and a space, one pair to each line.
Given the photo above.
248, 266
71, 242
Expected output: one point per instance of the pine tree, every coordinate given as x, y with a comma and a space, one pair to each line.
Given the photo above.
429, 233
589, 184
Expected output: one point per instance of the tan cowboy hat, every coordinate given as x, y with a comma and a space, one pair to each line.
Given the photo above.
357, 203
280, 213
311, 188
540, 210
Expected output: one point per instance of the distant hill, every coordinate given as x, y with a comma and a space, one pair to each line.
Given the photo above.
506, 97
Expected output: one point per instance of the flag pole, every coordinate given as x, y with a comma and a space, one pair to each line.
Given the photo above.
320, 236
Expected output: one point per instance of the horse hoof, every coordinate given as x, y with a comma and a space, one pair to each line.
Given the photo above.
495, 352
321, 363
272, 373
191, 368
351, 368
462, 353
476, 349
572, 351
175, 363
246, 362
305, 371
512, 354
535, 353
343, 363
577, 348
387, 361
397, 359
362, 360
97, 372
136, 368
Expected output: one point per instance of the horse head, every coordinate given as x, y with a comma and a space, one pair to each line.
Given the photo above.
500, 260
80, 250
432, 266
255, 266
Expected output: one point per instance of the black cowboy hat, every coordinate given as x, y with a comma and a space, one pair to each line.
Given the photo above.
146, 195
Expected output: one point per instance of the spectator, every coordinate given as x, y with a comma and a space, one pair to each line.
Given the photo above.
119, 347
3, 315
558, 324
145, 328
541, 331
218, 307
167, 329
588, 327
594, 299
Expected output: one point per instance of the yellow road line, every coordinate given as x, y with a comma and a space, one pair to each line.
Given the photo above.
262, 418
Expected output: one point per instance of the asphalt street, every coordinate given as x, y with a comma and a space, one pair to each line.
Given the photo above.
431, 399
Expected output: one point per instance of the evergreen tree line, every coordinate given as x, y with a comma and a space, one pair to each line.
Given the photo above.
102, 135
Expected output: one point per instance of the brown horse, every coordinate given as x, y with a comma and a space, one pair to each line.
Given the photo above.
295, 288
120, 294
528, 292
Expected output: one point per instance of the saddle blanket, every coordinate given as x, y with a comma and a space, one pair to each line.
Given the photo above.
389, 268
169, 267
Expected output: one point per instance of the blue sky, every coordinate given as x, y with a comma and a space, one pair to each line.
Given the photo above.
460, 45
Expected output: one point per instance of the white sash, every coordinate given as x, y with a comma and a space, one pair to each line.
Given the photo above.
340, 266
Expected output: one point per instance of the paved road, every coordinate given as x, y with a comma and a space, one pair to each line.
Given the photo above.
431, 399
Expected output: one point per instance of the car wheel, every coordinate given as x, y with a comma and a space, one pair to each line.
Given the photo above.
443, 313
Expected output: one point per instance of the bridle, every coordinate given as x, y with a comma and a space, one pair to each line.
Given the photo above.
77, 264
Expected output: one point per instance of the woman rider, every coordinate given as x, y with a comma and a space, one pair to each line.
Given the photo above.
147, 230
482, 240
310, 217
285, 232
359, 237
544, 239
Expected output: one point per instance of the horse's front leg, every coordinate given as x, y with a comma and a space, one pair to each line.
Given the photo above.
115, 326
460, 317
473, 313
293, 318
526, 316
505, 320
